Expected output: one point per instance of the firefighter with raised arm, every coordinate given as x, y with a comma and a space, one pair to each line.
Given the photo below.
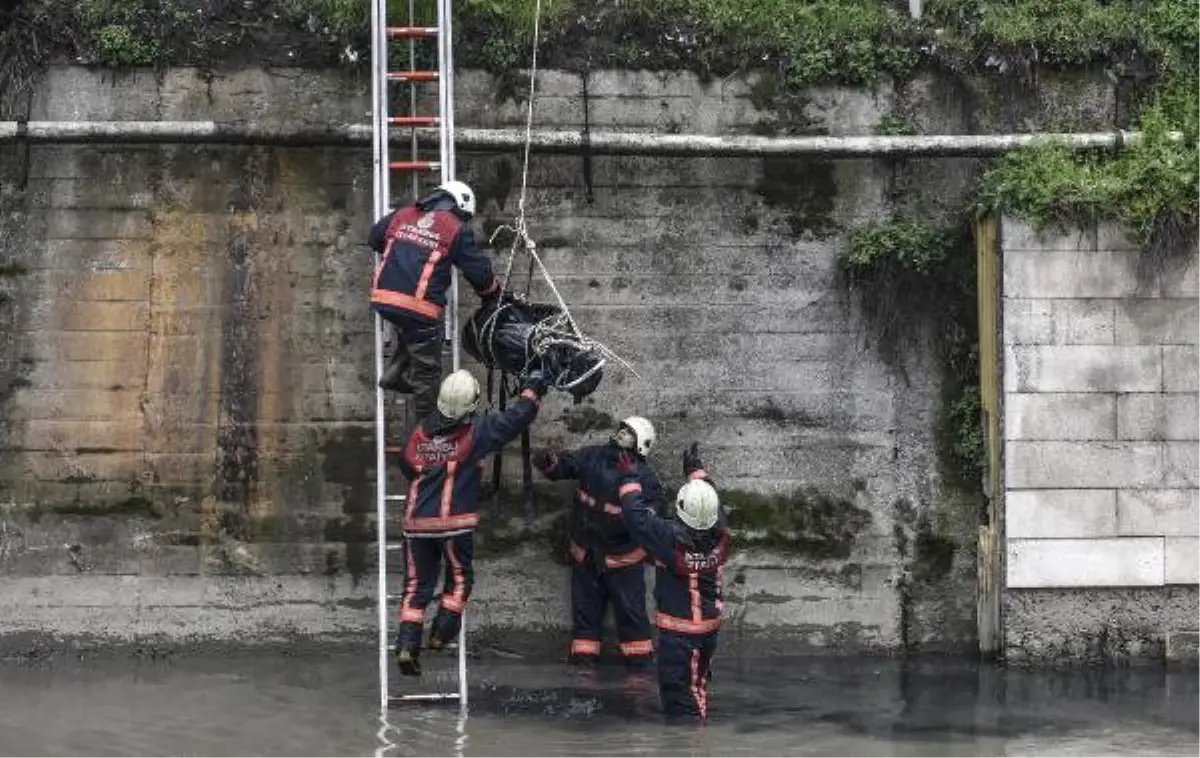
419, 244
606, 563
443, 461
690, 550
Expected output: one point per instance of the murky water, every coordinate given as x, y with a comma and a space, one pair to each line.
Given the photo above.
326, 704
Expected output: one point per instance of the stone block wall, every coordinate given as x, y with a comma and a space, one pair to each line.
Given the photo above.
1102, 510
186, 385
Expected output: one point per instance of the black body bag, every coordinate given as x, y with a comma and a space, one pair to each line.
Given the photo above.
505, 335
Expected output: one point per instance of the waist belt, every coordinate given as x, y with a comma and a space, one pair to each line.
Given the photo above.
686, 626
406, 302
632, 558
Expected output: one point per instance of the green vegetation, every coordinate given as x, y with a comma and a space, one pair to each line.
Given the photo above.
911, 274
1151, 187
805, 41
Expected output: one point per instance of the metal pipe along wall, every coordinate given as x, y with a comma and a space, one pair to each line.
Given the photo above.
557, 141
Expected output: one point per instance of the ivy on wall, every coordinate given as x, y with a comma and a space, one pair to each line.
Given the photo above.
914, 276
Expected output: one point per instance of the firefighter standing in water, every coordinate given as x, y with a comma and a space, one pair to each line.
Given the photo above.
419, 243
606, 563
690, 551
443, 460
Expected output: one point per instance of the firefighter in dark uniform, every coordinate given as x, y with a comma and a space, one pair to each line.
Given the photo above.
419, 243
606, 564
442, 461
690, 551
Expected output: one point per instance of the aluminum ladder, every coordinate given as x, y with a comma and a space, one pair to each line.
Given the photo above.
416, 168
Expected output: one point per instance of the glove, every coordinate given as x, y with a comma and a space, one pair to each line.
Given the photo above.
691, 459
545, 461
535, 380
491, 300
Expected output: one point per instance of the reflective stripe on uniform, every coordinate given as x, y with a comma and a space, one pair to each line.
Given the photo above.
406, 302
585, 647
686, 626
637, 647
632, 558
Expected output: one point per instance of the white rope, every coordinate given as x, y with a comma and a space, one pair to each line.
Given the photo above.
519, 229
549, 330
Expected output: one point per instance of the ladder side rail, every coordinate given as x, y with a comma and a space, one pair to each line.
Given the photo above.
446, 145
415, 176
451, 163
379, 91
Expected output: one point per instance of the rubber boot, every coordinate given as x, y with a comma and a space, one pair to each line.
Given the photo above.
409, 661
393, 381
393, 376
443, 633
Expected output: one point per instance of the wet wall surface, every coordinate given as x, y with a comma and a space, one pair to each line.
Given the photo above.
186, 404
188, 392
315, 703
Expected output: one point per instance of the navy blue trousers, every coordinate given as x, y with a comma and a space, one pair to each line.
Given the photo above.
424, 559
684, 672
591, 592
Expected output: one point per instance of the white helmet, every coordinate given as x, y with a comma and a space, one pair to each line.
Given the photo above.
459, 394
696, 505
464, 198
640, 435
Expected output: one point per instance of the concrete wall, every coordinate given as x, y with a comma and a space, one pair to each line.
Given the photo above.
186, 380
1101, 430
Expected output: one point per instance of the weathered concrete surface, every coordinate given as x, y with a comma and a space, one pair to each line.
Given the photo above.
1101, 437
188, 352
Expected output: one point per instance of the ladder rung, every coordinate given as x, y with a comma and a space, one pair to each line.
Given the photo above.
414, 120
396, 498
394, 546
415, 165
412, 31
393, 449
413, 76
430, 696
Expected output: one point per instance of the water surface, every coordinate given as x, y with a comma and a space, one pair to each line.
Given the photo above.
327, 704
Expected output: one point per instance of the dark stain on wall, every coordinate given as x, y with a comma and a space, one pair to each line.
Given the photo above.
348, 459
237, 432
804, 190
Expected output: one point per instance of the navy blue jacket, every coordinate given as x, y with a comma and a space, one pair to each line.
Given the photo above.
596, 525
688, 587
419, 244
444, 466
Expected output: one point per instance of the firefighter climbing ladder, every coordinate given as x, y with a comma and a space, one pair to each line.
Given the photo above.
415, 167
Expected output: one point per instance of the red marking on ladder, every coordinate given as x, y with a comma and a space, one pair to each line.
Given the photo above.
414, 120
415, 165
413, 76
412, 31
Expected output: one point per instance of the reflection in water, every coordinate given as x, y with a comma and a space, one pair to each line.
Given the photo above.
326, 704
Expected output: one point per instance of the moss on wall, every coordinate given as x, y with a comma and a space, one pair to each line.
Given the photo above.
137, 506
806, 522
911, 276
